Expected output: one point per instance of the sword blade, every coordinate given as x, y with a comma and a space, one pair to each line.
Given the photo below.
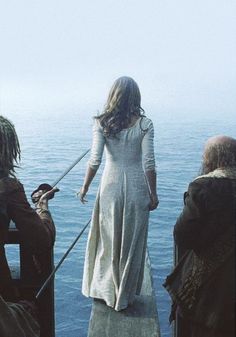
70, 168
49, 279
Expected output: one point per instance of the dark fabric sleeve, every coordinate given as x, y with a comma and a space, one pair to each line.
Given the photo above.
37, 231
16, 321
208, 214
4, 220
191, 222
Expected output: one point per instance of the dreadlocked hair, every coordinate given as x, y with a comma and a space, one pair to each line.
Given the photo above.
123, 103
9, 147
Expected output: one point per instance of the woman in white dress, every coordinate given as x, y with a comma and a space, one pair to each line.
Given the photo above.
116, 248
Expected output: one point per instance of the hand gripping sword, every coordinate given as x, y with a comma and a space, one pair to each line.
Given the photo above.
36, 194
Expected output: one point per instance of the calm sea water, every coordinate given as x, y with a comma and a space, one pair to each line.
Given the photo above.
50, 143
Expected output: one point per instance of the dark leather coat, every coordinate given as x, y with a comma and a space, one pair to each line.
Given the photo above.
37, 231
203, 283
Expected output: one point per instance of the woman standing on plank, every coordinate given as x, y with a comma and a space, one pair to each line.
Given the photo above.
116, 248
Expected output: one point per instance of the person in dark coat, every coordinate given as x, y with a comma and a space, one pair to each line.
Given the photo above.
202, 285
36, 230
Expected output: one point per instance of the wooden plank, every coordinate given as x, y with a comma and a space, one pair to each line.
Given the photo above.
138, 320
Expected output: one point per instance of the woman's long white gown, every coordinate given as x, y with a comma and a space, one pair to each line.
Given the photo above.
116, 247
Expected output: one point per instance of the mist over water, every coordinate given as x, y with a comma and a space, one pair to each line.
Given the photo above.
58, 61
51, 142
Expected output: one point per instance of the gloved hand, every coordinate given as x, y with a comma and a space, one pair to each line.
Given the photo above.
37, 194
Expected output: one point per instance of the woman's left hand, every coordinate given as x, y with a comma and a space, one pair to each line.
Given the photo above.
82, 193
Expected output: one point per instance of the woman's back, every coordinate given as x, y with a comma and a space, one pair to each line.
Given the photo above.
131, 149
124, 150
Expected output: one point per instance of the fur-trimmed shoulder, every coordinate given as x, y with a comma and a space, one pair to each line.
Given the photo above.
229, 173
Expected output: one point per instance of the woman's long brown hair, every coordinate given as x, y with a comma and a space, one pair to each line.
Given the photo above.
123, 103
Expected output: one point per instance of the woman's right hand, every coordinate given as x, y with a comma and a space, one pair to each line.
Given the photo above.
82, 193
153, 202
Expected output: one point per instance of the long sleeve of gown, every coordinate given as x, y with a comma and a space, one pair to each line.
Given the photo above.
148, 149
97, 146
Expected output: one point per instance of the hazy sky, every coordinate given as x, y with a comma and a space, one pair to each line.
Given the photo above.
181, 52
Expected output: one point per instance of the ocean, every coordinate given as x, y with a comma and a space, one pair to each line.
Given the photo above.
50, 142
